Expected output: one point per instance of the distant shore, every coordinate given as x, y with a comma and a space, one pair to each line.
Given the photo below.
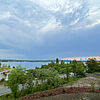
8, 60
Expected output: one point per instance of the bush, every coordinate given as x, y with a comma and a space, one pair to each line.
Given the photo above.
2, 80
42, 93
7, 97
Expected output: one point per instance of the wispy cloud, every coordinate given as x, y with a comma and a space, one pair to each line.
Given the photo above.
22, 21
51, 25
75, 22
93, 24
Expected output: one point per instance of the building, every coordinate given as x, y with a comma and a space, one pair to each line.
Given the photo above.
82, 58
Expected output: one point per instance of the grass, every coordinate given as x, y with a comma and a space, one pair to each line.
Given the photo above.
7, 97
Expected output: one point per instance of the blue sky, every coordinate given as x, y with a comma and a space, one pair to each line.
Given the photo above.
46, 29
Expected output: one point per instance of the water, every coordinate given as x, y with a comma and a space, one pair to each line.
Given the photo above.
27, 65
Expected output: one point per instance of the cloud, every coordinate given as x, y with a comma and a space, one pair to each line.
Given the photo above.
51, 25
61, 6
93, 24
4, 15
8, 53
51, 5
12, 37
26, 22
75, 22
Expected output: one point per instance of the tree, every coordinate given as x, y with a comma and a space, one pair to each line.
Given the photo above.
62, 62
73, 64
62, 70
53, 77
41, 74
29, 81
98, 67
80, 70
33, 72
92, 65
57, 61
8, 66
49, 76
15, 78
0, 64
44, 66
51, 65
68, 70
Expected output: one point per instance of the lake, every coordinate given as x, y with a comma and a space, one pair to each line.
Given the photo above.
28, 65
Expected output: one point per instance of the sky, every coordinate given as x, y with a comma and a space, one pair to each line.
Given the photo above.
47, 29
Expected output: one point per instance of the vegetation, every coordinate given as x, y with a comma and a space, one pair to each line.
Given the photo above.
23, 82
0, 64
19, 77
4, 68
93, 65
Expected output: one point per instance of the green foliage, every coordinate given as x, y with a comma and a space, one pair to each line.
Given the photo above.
14, 79
44, 66
80, 70
74, 62
68, 70
7, 97
74, 65
2, 80
42, 93
62, 62
19, 76
57, 61
8, 66
92, 65
29, 81
52, 64
62, 70
48, 76
0, 64
98, 67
